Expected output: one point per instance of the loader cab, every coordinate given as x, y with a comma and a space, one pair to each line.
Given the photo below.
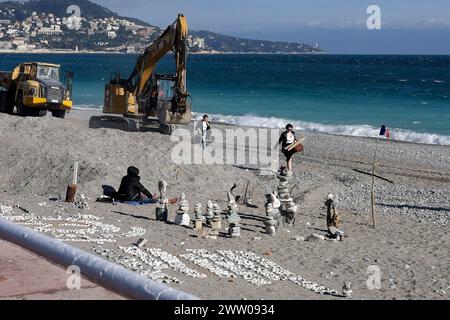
46, 72
38, 71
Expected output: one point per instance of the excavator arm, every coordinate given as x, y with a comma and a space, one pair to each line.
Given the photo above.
121, 96
173, 39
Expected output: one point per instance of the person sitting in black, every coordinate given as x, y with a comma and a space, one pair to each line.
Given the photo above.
131, 188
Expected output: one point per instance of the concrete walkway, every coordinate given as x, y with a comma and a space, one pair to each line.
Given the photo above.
26, 276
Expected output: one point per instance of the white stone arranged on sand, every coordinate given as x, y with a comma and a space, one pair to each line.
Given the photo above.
238, 259
137, 260
288, 275
236, 269
251, 267
75, 228
223, 263
134, 232
183, 218
5, 211
174, 263
207, 264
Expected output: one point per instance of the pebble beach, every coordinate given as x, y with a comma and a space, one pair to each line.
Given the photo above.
409, 245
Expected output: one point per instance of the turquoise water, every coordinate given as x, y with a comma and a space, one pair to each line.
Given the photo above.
340, 94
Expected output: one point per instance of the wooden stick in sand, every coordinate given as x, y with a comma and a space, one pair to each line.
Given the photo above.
372, 194
72, 189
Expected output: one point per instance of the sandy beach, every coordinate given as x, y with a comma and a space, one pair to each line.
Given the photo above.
410, 245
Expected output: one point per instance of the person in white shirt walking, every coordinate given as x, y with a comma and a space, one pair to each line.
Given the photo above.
205, 127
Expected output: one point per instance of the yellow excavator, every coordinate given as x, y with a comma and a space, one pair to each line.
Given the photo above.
147, 94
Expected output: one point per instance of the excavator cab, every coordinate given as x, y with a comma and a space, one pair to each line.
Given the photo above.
148, 94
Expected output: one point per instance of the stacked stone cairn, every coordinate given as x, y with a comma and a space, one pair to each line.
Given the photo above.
234, 220
209, 215
334, 220
347, 290
216, 223
162, 210
288, 206
183, 218
272, 212
198, 217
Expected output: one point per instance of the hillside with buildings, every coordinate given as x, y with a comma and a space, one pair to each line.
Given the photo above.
57, 25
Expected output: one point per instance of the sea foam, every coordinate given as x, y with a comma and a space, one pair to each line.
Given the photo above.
347, 130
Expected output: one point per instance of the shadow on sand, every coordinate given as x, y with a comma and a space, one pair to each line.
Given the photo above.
123, 124
398, 206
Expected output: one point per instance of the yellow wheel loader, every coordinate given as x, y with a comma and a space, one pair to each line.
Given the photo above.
146, 94
33, 88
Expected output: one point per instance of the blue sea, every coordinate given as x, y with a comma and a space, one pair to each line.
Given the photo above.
340, 94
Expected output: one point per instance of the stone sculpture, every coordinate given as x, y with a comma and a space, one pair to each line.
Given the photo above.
288, 208
162, 210
234, 219
183, 218
198, 217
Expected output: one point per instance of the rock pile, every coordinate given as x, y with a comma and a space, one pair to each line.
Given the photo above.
198, 217
82, 204
234, 220
288, 206
209, 215
216, 221
347, 290
272, 213
334, 219
183, 218
162, 210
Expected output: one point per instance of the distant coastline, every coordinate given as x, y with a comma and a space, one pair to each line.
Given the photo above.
62, 51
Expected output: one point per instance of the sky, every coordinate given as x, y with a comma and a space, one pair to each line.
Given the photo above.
338, 26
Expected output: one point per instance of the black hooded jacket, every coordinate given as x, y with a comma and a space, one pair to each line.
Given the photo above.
131, 187
283, 139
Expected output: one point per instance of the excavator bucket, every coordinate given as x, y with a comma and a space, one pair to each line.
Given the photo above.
166, 116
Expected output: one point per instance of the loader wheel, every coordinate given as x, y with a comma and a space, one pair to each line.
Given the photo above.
37, 113
3, 101
165, 129
22, 110
61, 114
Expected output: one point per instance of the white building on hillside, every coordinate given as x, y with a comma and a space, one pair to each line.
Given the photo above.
53, 30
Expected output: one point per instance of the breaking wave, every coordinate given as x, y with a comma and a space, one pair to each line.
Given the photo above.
347, 130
